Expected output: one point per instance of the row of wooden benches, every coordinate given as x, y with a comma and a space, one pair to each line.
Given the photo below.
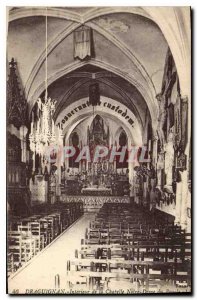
88, 274
130, 230
115, 251
124, 211
28, 236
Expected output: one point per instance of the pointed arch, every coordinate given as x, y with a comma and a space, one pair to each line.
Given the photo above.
151, 102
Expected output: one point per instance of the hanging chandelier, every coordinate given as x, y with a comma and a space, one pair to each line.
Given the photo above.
43, 132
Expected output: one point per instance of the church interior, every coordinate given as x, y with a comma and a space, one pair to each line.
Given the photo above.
81, 79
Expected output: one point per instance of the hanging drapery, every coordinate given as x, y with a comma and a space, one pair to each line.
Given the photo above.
82, 43
171, 115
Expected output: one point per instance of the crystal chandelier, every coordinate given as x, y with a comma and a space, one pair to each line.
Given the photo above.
43, 131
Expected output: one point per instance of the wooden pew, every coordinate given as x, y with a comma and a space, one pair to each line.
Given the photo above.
141, 271
27, 236
155, 252
10, 263
22, 245
124, 243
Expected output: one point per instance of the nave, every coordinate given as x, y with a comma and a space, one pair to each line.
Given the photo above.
99, 170
125, 249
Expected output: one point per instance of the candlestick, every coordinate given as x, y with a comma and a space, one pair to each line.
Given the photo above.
32, 127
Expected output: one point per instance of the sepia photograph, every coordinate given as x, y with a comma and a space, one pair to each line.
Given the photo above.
98, 150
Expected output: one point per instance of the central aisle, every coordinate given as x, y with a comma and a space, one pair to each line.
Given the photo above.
41, 271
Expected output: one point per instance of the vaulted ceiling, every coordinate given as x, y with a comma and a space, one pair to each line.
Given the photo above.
130, 52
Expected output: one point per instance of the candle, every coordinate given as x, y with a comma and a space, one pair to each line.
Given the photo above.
32, 127
38, 126
53, 126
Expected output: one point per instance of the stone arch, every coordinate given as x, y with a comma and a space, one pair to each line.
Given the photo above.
117, 134
116, 42
151, 103
76, 132
24, 12
176, 31
78, 84
133, 133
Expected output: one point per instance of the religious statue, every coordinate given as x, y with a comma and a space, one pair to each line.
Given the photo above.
169, 161
162, 117
98, 134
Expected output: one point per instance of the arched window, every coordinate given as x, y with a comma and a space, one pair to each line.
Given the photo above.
122, 139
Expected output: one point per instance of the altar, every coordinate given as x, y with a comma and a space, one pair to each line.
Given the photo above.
96, 191
94, 203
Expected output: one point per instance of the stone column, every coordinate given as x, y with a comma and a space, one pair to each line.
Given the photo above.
187, 149
131, 178
160, 167
39, 190
23, 134
60, 162
154, 154
169, 161
178, 202
188, 229
66, 160
184, 196
187, 152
